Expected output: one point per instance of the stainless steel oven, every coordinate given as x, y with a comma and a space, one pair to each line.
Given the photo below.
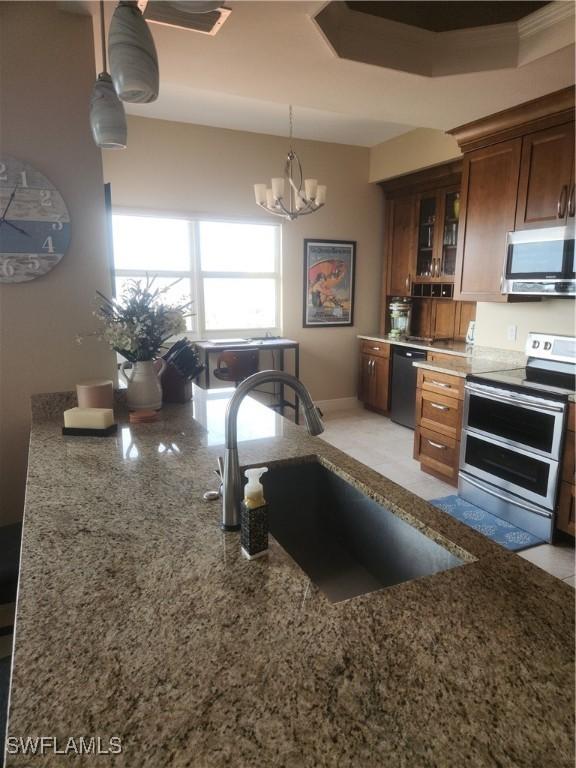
509, 455
515, 419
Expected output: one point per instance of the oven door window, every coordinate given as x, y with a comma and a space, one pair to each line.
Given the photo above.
506, 421
545, 259
508, 466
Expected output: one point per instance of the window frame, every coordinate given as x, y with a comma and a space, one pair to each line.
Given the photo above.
196, 275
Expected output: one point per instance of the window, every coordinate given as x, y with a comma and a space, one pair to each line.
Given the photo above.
229, 270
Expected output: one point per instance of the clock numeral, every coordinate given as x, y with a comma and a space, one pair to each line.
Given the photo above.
24, 179
58, 226
3, 174
48, 245
6, 268
45, 198
33, 263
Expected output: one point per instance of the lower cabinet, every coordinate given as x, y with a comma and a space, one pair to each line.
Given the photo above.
566, 512
374, 385
439, 398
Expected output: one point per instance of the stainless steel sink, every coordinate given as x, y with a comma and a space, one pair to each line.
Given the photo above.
347, 543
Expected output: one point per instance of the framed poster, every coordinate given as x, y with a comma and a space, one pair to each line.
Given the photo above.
329, 267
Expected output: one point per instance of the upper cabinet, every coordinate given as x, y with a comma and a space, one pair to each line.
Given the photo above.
437, 234
518, 173
489, 186
400, 241
546, 188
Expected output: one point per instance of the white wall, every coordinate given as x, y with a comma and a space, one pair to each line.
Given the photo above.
47, 71
549, 315
192, 169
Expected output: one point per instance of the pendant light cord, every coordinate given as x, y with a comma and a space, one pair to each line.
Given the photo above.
291, 125
103, 35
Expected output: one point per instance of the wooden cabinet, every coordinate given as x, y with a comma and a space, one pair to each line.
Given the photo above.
465, 312
517, 174
422, 215
566, 512
546, 187
439, 398
441, 318
374, 385
488, 200
437, 234
401, 239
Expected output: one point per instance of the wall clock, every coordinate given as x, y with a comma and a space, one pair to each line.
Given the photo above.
34, 223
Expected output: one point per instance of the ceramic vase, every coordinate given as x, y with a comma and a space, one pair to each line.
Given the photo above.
144, 389
132, 54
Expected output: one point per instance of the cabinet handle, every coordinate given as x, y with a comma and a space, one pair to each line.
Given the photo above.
561, 207
376, 349
571, 205
408, 282
441, 384
436, 445
440, 407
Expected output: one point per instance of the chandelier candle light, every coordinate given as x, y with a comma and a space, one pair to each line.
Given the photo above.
286, 197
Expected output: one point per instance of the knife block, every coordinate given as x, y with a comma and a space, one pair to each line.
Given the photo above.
175, 388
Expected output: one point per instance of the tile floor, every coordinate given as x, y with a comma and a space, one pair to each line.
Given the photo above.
387, 447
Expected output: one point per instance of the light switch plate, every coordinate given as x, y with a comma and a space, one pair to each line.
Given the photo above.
512, 333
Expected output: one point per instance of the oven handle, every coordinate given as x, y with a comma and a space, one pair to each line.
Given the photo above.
503, 396
513, 500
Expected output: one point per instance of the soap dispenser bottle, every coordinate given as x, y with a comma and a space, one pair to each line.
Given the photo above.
254, 516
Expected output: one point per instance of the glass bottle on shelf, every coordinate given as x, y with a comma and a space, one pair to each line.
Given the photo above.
426, 225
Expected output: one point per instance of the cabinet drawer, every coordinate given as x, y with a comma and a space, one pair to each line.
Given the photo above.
441, 383
437, 452
566, 515
375, 348
439, 413
568, 458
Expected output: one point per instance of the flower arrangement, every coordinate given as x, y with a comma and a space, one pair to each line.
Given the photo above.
138, 325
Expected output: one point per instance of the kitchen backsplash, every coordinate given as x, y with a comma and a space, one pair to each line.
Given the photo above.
495, 322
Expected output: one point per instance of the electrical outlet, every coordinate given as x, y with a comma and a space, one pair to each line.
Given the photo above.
512, 333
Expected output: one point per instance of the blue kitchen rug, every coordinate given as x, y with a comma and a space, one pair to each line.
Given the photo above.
500, 531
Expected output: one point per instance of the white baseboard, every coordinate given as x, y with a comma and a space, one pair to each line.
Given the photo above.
338, 404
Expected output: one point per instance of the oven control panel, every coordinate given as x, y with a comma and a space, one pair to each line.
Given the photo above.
552, 347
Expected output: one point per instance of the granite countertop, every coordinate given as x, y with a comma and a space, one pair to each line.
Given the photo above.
463, 366
138, 618
447, 346
459, 349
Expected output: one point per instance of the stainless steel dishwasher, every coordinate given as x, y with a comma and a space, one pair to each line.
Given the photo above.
403, 401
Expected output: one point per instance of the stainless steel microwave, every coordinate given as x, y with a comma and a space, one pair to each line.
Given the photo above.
540, 262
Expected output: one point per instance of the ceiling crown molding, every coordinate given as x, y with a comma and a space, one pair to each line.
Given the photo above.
558, 12
358, 36
553, 109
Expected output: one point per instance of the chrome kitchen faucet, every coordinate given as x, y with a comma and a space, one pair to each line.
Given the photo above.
231, 480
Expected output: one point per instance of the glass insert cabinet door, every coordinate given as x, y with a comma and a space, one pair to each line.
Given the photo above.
438, 215
426, 236
451, 211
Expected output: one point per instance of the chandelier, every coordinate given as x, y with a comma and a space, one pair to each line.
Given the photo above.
286, 197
